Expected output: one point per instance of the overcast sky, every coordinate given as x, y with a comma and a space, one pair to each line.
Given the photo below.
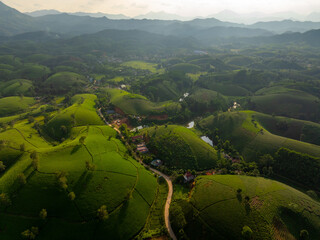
181, 7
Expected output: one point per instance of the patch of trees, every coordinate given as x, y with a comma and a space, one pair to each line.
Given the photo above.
299, 167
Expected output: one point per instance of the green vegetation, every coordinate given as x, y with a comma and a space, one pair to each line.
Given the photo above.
291, 128
16, 87
14, 105
137, 104
33, 72
64, 81
180, 147
205, 100
151, 67
244, 131
64, 174
81, 113
290, 103
66, 194
263, 209
185, 68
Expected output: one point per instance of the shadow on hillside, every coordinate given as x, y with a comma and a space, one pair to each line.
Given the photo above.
75, 149
82, 182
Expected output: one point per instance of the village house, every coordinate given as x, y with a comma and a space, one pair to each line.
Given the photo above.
188, 177
137, 138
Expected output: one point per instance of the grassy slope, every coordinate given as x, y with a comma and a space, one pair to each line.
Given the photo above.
65, 80
13, 105
138, 104
287, 102
274, 211
84, 114
293, 128
143, 66
238, 127
15, 87
114, 177
204, 154
185, 67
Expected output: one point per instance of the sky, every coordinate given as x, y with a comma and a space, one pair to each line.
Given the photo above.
181, 7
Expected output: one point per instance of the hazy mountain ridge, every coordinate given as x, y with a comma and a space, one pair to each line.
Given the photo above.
205, 30
41, 13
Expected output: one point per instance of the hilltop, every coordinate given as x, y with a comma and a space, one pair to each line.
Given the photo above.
180, 147
72, 180
250, 138
221, 206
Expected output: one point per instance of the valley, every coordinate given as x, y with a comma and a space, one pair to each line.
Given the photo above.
158, 129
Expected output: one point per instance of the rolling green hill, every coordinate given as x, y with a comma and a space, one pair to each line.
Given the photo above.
185, 68
139, 105
288, 103
202, 100
16, 87
180, 147
272, 210
291, 128
14, 105
152, 67
33, 72
64, 81
250, 138
117, 181
81, 113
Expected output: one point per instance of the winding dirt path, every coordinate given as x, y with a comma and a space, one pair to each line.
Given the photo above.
168, 202
167, 178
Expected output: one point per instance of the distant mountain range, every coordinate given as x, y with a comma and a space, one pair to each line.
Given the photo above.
41, 13
225, 15
206, 31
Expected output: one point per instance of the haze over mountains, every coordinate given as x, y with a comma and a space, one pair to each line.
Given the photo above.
225, 15
201, 31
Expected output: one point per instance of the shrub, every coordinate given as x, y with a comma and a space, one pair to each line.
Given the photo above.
22, 179
30, 233
72, 196
102, 213
43, 214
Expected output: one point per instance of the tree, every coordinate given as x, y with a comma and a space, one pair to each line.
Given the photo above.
102, 213
43, 214
179, 219
255, 172
81, 139
34, 155
22, 147
11, 124
30, 233
2, 166
62, 179
72, 196
247, 232
4, 200
90, 166
30, 119
265, 161
35, 164
22, 179
304, 235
